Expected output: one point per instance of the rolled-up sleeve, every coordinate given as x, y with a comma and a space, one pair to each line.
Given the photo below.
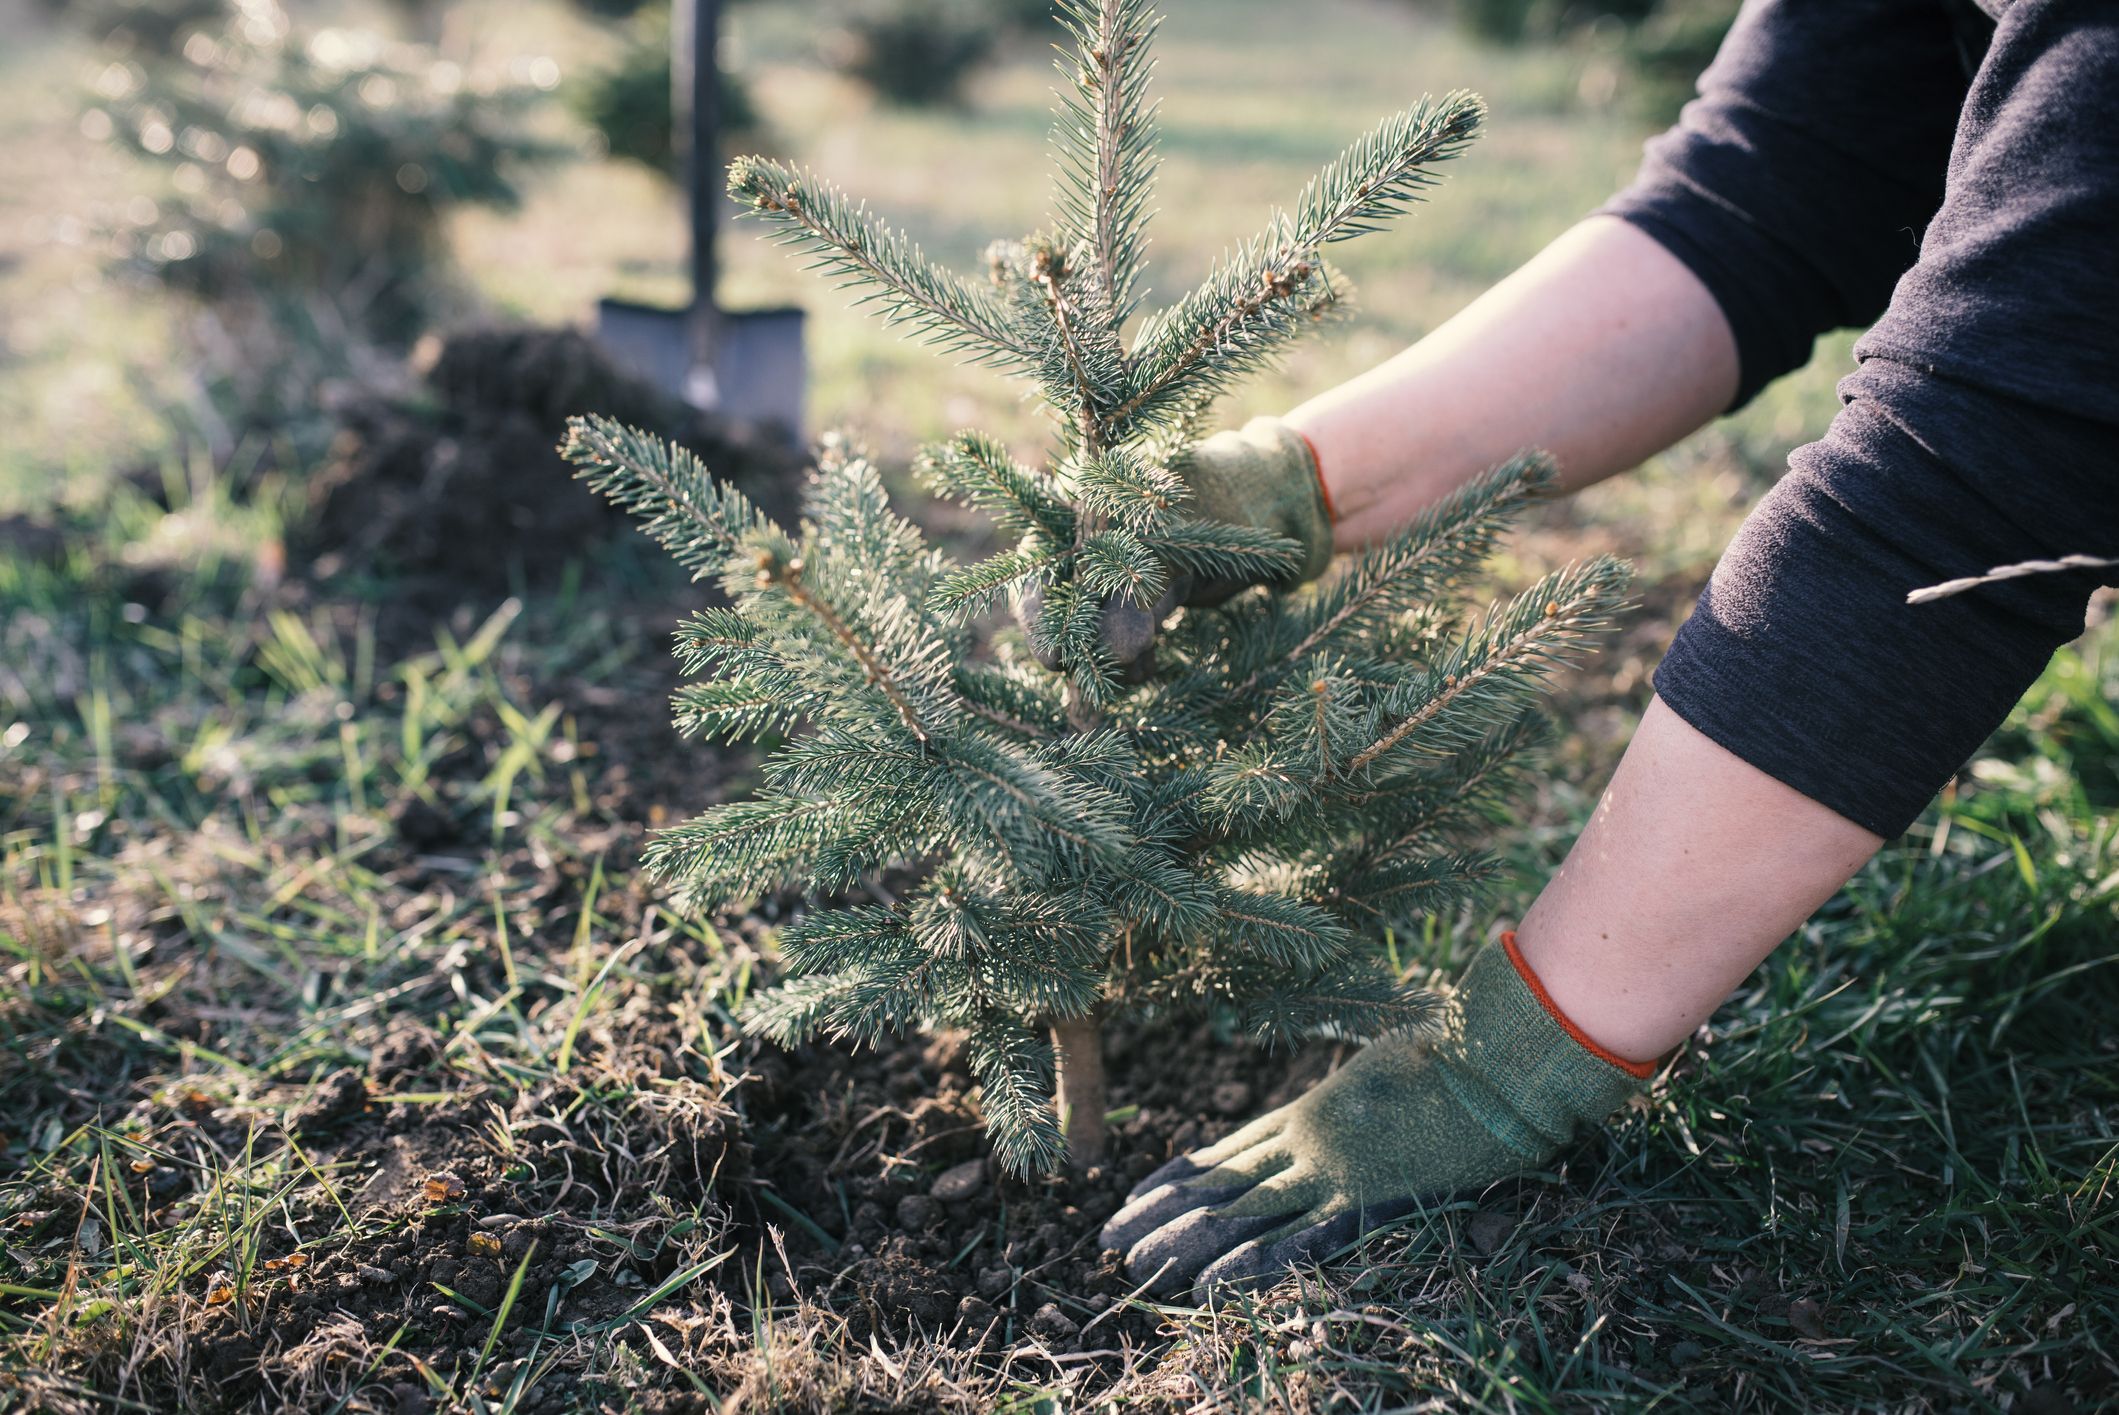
1981, 428
1797, 184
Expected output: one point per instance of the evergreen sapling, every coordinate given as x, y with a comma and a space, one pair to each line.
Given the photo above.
1302, 776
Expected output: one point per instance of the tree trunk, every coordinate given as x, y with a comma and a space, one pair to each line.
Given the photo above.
1078, 1054
1078, 1042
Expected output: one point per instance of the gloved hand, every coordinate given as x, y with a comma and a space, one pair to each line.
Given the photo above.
1263, 475
1409, 1121
1126, 630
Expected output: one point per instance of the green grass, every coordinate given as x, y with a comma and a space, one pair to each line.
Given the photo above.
1881, 1177
203, 910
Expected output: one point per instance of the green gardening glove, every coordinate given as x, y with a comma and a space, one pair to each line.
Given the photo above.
1262, 475
1408, 1122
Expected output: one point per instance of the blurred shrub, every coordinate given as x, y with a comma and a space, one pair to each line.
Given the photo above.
916, 52
309, 168
1512, 21
613, 9
627, 9
629, 102
1504, 21
1667, 51
142, 26
1031, 17
912, 52
1664, 43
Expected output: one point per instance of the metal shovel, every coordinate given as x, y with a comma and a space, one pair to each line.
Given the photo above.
748, 365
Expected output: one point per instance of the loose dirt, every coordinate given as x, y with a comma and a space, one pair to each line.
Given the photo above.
460, 491
855, 1182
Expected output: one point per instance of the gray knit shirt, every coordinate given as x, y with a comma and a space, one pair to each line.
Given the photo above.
1952, 174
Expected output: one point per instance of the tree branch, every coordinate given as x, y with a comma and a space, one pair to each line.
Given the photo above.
855, 244
788, 576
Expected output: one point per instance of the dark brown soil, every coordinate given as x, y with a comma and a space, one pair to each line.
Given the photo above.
861, 1145
448, 1221
462, 491
829, 1159
813, 1173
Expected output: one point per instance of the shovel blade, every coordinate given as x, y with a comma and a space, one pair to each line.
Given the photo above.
760, 370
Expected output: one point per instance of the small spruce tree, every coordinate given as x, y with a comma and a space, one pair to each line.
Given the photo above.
1304, 775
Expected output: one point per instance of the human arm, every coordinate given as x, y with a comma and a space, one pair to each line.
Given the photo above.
1602, 350
1693, 867
1980, 429
1806, 712
1786, 203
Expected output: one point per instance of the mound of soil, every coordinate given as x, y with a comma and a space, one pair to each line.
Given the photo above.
907, 1228
463, 489
855, 1183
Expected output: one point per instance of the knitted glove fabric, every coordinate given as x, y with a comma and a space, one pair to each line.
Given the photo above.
1263, 475
1409, 1121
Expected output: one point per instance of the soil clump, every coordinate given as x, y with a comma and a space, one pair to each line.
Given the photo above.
461, 489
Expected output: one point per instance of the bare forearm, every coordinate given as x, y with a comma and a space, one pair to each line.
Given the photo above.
1602, 351
1694, 867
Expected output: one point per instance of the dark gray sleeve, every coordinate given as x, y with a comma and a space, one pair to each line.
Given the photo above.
1980, 429
1797, 184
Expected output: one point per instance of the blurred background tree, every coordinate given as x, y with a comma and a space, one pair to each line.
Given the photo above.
149, 26
1663, 43
628, 100
912, 52
1669, 47
307, 174
922, 53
